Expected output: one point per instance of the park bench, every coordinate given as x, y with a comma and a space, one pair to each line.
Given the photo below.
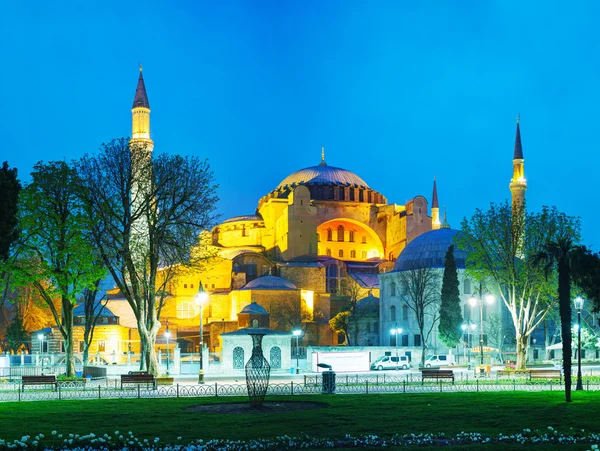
545, 374
38, 380
138, 378
437, 375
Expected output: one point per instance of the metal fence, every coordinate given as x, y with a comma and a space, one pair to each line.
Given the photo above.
12, 391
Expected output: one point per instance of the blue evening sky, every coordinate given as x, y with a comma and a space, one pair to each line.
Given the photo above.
395, 91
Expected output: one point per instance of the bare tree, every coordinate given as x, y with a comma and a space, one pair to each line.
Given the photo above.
92, 308
420, 286
144, 234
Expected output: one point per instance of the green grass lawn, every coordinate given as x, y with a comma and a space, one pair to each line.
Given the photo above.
383, 415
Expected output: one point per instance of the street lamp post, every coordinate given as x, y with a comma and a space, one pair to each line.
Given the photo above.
201, 299
396, 333
167, 336
297, 333
489, 299
464, 329
578, 307
41, 338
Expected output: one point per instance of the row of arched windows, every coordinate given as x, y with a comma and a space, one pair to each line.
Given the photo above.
341, 235
328, 193
363, 254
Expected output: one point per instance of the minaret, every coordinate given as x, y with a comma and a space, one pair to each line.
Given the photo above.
435, 208
518, 183
140, 116
141, 147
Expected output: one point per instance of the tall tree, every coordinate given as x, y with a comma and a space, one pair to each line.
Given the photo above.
139, 231
568, 260
9, 198
16, 334
450, 312
420, 287
501, 245
56, 254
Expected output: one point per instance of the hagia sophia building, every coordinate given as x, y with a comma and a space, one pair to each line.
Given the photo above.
319, 237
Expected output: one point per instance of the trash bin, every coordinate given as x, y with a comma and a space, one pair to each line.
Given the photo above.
328, 387
292, 370
78, 373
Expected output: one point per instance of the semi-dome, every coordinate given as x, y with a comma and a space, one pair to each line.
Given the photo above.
323, 174
269, 283
429, 251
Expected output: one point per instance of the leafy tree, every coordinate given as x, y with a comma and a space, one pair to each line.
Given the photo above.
421, 289
9, 198
16, 334
340, 323
566, 258
146, 213
450, 312
56, 254
501, 244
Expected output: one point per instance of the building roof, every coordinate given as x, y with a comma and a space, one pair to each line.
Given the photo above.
365, 280
429, 251
256, 330
254, 309
269, 283
323, 174
434, 197
79, 310
141, 98
369, 304
244, 218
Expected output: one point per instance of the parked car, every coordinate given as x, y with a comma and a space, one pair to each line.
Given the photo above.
391, 363
440, 360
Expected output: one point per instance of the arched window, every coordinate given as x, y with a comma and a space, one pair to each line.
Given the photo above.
352, 253
369, 197
351, 236
342, 193
467, 286
329, 235
405, 312
351, 192
364, 240
363, 255
186, 310
328, 252
361, 195
330, 192
275, 357
255, 323
393, 289
238, 358
320, 192
393, 313
341, 233
341, 253
391, 257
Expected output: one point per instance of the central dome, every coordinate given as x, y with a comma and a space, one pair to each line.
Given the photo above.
323, 174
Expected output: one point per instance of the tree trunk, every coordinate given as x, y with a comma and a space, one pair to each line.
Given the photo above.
67, 315
522, 342
423, 351
564, 308
148, 356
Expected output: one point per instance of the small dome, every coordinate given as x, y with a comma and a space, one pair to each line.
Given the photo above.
429, 250
323, 174
254, 309
269, 283
244, 218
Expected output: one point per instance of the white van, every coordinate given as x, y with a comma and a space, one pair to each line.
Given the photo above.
440, 360
389, 362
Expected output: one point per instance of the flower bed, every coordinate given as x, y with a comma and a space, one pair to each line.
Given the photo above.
127, 441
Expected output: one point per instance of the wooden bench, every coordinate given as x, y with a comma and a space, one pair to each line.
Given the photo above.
437, 375
38, 380
545, 374
138, 378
